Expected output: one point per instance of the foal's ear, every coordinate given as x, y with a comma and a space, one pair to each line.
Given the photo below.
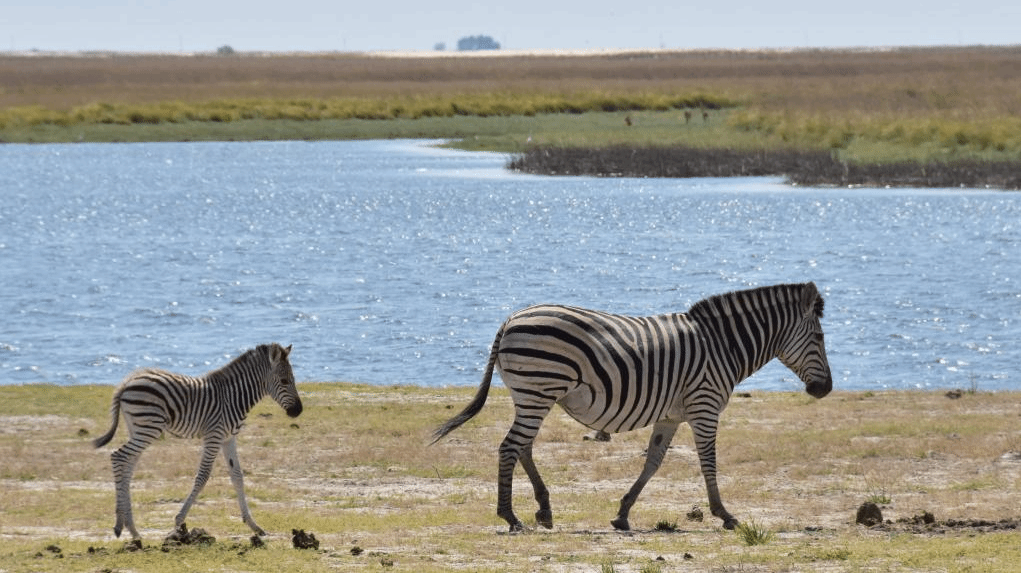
287, 351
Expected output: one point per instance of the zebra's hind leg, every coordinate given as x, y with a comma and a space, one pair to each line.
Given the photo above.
210, 449
662, 433
544, 516
230, 454
509, 454
516, 445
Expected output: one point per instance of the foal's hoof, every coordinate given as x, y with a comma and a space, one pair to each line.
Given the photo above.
621, 524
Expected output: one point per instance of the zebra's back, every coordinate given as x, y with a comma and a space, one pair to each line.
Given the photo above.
610, 372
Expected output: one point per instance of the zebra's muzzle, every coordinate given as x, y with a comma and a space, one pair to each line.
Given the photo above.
819, 388
295, 410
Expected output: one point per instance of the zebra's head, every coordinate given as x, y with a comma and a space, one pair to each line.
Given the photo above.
804, 350
280, 382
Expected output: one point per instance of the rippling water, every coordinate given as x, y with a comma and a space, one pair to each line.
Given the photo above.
395, 263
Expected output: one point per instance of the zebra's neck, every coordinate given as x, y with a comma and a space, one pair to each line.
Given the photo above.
745, 327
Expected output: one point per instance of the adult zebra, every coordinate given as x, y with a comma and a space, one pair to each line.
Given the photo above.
615, 373
213, 407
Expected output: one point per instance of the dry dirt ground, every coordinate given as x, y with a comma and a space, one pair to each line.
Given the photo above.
356, 472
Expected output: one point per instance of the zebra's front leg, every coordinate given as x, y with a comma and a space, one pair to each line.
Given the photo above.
544, 516
662, 434
705, 441
230, 454
210, 449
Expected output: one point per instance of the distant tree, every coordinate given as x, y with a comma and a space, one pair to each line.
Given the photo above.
440, 46
479, 42
225, 50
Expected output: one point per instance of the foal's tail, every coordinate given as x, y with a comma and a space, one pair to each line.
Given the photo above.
115, 413
478, 401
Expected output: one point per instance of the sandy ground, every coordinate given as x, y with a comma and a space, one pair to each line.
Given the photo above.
934, 465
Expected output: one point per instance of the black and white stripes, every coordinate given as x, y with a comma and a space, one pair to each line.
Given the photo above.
212, 407
616, 373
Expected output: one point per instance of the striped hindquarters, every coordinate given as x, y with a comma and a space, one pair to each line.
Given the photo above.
154, 400
610, 372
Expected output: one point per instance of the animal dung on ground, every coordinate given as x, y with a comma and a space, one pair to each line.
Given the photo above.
868, 514
302, 540
695, 514
181, 536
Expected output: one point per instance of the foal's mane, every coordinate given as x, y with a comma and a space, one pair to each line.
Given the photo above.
258, 356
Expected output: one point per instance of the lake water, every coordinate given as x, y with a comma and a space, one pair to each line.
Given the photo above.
396, 262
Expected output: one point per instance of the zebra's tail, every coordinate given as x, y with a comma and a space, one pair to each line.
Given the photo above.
475, 406
115, 413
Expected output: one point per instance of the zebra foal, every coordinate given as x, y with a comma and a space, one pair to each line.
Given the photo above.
212, 407
615, 373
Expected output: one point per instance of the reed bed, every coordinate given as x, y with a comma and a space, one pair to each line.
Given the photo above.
813, 168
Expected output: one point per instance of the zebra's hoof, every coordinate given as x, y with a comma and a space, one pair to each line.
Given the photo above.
517, 527
621, 524
544, 518
117, 530
730, 523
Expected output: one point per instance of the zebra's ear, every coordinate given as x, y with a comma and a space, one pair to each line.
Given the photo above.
287, 351
811, 301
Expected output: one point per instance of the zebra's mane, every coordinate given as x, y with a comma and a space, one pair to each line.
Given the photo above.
725, 303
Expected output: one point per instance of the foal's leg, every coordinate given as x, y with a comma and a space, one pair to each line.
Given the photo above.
124, 460
210, 449
230, 454
662, 433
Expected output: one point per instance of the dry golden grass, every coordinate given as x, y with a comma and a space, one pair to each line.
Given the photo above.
963, 82
355, 471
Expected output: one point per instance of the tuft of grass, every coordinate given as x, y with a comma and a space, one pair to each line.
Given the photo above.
665, 525
753, 534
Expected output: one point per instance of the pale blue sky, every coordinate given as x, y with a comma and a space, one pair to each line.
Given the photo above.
346, 25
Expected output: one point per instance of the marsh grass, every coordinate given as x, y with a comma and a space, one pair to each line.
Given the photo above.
356, 472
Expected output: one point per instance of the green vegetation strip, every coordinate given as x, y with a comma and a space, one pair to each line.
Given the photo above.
387, 108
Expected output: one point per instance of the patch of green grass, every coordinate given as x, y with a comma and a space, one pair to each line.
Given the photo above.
752, 533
